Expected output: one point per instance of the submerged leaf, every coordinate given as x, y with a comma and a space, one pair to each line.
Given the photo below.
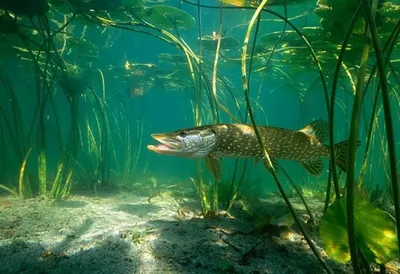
375, 232
390, 10
333, 231
169, 17
210, 42
339, 4
236, 3
131, 3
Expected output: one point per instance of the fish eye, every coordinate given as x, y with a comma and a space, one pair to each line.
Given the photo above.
182, 134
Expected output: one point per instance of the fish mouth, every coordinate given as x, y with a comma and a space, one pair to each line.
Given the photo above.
168, 145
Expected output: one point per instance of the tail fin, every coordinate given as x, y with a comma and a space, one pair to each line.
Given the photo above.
342, 154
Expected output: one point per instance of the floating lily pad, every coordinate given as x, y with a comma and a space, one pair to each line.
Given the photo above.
339, 4
139, 72
96, 5
375, 232
131, 3
291, 38
294, 50
390, 10
75, 81
26, 7
287, 2
256, 3
210, 42
336, 16
236, 3
81, 44
169, 17
169, 58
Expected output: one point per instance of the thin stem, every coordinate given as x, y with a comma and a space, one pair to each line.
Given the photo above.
266, 160
333, 99
387, 112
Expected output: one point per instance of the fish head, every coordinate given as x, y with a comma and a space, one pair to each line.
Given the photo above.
193, 143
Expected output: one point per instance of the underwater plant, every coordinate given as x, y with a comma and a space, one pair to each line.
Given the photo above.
358, 90
80, 132
375, 232
28, 8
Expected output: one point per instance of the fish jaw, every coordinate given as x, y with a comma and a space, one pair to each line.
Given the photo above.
193, 143
167, 145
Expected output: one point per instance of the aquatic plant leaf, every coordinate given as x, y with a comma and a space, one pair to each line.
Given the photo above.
291, 39
62, 6
169, 58
256, 3
339, 4
131, 3
210, 42
390, 10
375, 232
26, 7
236, 3
81, 44
336, 16
338, 27
75, 83
169, 17
286, 2
333, 232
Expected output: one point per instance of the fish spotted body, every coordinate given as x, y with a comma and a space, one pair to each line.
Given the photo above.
240, 141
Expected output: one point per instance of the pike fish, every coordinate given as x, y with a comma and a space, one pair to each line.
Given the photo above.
239, 140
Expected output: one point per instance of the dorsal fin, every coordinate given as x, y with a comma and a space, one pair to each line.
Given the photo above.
318, 129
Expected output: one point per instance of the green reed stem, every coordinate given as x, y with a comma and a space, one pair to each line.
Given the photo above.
389, 46
355, 121
137, 153
267, 160
333, 98
205, 204
387, 113
328, 189
299, 192
104, 129
24, 189
369, 134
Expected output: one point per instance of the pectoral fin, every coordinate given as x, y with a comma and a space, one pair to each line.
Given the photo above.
314, 167
214, 165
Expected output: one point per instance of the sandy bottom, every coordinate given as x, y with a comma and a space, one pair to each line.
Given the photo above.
127, 233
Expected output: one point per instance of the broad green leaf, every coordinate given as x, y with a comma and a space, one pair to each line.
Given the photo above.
375, 232
390, 10
169, 17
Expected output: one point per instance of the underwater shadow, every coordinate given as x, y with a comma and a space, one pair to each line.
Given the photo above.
109, 255
226, 246
113, 255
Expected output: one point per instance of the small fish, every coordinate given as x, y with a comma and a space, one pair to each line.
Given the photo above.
239, 140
